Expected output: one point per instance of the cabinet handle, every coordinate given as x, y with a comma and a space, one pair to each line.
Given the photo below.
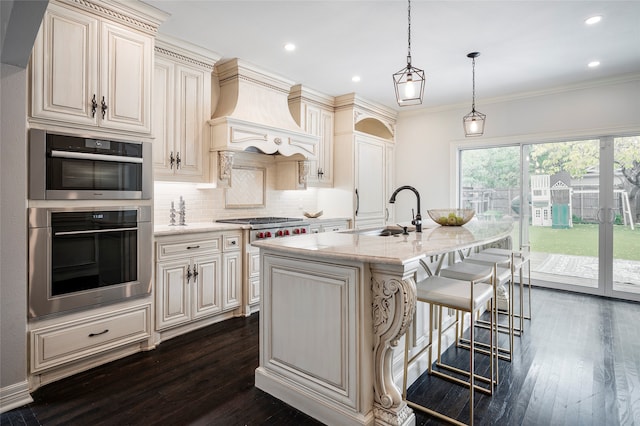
320, 173
357, 201
188, 274
104, 107
99, 334
94, 106
195, 273
178, 160
171, 160
193, 247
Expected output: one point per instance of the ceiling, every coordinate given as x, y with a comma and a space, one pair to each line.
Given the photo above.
525, 45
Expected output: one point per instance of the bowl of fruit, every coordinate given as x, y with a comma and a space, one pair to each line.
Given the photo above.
451, 217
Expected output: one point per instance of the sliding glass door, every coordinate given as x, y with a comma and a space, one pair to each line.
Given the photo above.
563, 196
623, 213
576, 204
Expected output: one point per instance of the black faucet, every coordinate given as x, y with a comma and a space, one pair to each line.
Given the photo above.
417, 220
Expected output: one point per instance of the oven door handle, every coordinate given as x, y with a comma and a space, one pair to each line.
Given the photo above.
95, 157
94, 231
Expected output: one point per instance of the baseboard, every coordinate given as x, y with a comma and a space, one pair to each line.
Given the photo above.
14, 396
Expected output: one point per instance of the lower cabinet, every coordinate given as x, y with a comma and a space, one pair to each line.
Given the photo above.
198, 280
62, 346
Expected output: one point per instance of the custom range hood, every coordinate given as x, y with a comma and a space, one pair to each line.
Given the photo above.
253, 114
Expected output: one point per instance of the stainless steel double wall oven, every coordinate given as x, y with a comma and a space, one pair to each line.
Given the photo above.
79, 256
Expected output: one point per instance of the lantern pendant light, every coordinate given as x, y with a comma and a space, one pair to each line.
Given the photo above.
409, 81
474, 121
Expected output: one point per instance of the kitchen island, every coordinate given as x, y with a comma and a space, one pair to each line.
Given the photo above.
333, 307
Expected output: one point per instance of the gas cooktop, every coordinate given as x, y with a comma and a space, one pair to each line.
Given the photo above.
260, 220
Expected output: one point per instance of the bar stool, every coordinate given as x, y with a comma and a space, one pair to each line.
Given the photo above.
523, 258
466, 271
464, 296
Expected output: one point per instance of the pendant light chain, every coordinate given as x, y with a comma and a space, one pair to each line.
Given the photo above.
409, 32
473, 76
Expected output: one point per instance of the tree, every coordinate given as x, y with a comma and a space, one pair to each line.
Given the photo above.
580, 157
495, 168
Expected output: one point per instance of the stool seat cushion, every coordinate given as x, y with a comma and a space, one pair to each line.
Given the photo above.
503, 273
466, 271
454, 294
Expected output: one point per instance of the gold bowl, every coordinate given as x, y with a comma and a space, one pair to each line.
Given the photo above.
451, 217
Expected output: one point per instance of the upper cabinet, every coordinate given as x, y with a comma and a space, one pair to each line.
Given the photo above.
182, 106
313, 112
91, 66
363, 161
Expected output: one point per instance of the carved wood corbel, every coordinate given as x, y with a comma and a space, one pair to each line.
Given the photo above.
303, 172
394, 302
225, 166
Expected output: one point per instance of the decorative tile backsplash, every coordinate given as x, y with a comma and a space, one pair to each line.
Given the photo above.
207, 204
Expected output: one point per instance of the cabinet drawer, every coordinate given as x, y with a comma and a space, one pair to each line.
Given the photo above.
231, 242
188, 248
59, 344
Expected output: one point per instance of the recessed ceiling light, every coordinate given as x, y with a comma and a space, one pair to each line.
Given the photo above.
355, 78
593, 20
289, 47
594, 64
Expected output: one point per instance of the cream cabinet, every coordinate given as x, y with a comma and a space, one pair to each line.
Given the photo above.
93, 72
313, 112
61, 346
74, 340
198, 276
182, 106
364, 158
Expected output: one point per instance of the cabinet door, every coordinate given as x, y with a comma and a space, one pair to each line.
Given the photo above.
231, 280
206, 295
125, 83
163, 117
172, 294
390, 217
190, 121
65, 67
370, 182
319, 122
325, 149
312, 125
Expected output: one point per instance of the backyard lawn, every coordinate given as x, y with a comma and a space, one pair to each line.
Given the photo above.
582, 240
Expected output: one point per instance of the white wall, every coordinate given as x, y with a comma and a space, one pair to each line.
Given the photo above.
426, 140
13, 238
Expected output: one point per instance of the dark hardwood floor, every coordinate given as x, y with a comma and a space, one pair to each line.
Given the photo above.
578, 363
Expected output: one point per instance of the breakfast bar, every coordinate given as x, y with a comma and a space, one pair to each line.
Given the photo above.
334, 306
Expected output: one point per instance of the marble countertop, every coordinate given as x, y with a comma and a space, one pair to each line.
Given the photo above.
192, 228
356, 245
